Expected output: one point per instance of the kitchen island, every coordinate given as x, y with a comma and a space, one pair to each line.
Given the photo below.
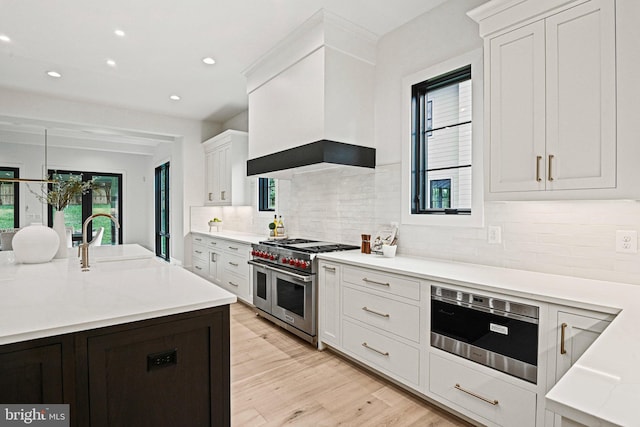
133, 341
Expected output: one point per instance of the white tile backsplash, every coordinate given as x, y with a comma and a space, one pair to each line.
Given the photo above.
561, 237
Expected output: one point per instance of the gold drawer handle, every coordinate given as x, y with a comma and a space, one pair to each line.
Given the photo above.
375, 282
550, 160
329, 268
233, 284
232, 248
198, 268
477, 396
563, 330
233, 263
367, 309
384, 353
198, 252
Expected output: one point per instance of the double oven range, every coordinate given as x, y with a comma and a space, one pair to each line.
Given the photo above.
285, 283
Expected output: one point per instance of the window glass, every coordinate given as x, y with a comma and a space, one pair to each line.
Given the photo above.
441, 144
9, 199
266, 194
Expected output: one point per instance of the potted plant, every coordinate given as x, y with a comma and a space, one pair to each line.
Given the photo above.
59, 195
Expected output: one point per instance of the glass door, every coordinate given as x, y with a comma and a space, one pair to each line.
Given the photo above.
162, 211
105, 197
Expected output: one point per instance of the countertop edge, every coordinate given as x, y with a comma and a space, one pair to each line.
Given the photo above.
101, 323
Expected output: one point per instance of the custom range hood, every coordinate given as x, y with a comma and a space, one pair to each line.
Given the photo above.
311, 100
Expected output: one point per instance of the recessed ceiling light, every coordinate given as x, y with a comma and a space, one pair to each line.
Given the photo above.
208, 60
174, 98
111, 63
53, 73
5, 38
119, 33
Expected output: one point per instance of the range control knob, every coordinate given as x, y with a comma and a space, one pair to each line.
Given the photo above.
292, 261
272, 257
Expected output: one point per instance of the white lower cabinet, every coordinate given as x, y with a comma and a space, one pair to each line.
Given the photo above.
223, 262
382, 320
387, 354
389, 315
574, 332
494, 400
329, 304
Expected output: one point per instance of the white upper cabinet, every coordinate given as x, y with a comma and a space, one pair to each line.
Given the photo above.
518, 134
226, 169
551, 97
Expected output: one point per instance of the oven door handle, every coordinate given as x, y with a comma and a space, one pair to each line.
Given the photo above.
279, 270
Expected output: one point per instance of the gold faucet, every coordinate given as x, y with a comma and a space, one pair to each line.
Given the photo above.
83, 248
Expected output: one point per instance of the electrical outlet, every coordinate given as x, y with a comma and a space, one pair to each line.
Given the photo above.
494, 235
627, 241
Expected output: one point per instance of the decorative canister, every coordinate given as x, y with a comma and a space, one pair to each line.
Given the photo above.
35, 244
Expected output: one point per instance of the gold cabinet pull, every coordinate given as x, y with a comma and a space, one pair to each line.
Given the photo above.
222, 195
374, 282
233, 264
538, 159
377, 313
367, 346
233, 284
329, 268
563, 329
209, 196
550, 176
232, 248
493, 402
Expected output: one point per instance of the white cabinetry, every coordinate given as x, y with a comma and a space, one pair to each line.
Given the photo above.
224, 262
552, 102
226, 169
575, 330
487, 396
373, 317
329, 304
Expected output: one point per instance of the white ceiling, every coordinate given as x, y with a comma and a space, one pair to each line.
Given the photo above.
163, 47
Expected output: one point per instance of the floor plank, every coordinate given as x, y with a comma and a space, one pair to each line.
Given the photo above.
278, 379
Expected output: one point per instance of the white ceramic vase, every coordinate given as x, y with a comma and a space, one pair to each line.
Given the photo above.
35, 244
59, 228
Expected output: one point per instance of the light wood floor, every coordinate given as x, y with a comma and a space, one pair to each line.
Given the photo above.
278, 379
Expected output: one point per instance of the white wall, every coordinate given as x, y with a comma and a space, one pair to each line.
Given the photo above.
186, 155
576, 238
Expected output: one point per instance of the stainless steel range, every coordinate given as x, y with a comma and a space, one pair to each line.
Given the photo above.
284, 282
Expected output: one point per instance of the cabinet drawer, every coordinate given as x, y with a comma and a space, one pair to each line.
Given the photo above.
505, 404
236, 265
200, 267
395, 285
199, 240
200, 253
394, 357
393, 316
234, 248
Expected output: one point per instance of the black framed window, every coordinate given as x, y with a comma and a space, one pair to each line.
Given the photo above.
441, 144
105, 197
266, 194
9, 199
162, 211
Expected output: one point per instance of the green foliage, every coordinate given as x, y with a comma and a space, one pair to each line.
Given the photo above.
6, 216
63, 191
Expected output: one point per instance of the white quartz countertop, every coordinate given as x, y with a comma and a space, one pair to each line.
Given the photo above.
603, 386
125, 283
236, 236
